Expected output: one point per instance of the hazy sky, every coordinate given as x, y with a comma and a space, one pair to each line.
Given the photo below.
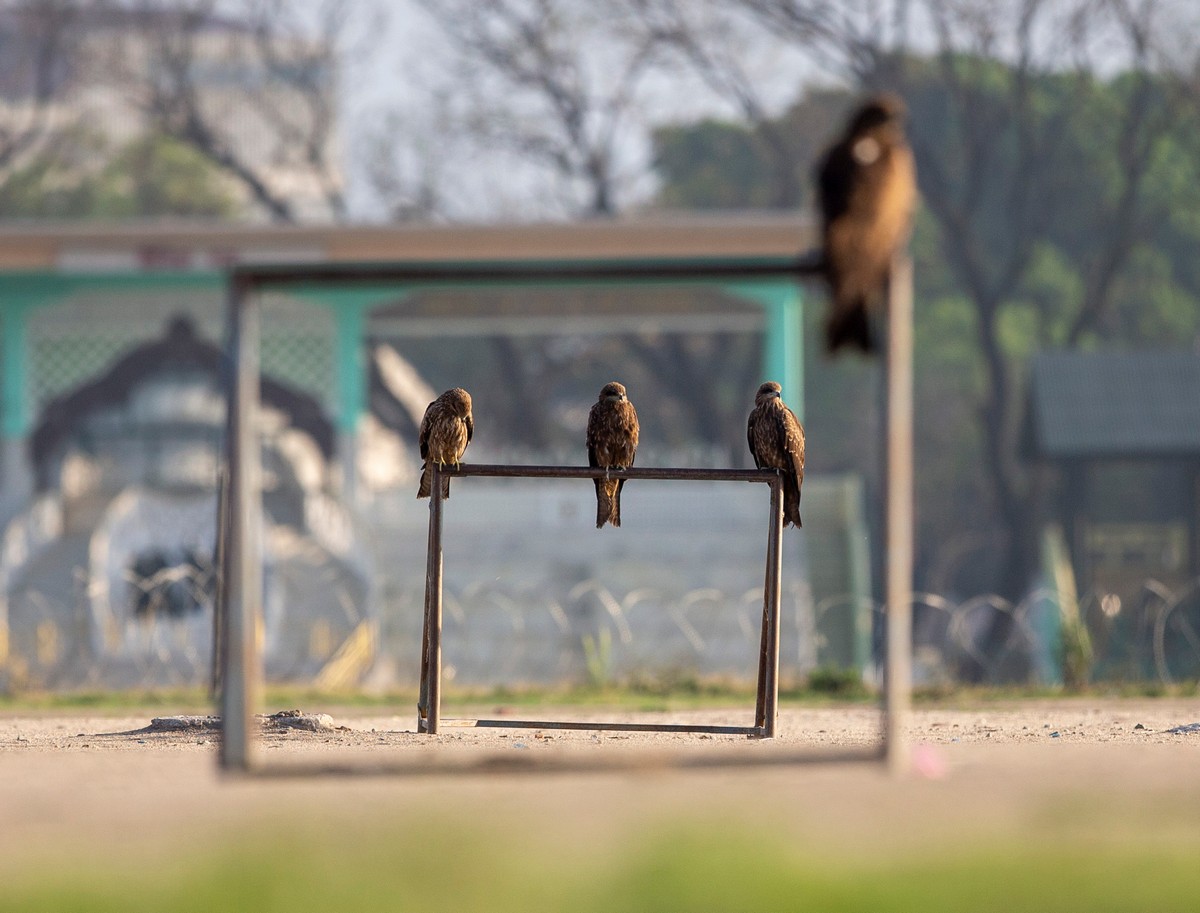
395, 65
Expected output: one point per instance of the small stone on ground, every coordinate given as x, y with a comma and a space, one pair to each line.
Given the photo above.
184, 723
284, 719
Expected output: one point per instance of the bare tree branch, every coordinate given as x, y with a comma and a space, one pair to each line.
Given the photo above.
39, 44
255, 94
986, 169
704, 47
554, 81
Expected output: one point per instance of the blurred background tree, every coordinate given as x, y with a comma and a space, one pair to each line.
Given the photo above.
1056, 145
150, 177
248, 89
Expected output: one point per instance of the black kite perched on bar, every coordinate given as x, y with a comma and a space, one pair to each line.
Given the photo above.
777, 442
446, 429
868, 189
612, 439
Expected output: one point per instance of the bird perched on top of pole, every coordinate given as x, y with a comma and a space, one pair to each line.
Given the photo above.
446, 429
868, 189
776, 440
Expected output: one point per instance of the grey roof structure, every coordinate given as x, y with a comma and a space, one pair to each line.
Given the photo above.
1114, 404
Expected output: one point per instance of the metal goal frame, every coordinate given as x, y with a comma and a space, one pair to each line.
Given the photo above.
238, 659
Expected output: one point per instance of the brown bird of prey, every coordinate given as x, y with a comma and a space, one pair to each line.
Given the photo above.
612, 439
868, 188
777, 442
446, 429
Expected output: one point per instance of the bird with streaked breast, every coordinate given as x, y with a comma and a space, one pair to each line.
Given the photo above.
612, 440
776, 440
446, 428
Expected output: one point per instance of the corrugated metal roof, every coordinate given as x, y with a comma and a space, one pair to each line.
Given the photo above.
1115, 404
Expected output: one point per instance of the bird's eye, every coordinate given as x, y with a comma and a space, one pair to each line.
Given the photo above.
866, 150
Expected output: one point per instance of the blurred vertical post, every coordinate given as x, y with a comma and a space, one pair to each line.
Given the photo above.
241, 604
429, 703
221, 549
898, 520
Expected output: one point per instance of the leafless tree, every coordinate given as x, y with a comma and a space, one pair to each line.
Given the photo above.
403, 159
987, 144
39, 39
851, 38
991, 265
255, 93
700, 34
553, 81
560, 83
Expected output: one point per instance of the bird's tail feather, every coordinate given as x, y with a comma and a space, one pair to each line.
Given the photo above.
791, 502
848, 326
425, 488
608, 502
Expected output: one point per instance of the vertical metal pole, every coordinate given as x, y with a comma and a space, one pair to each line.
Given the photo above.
423, 695
766, 707
898, 521
429, 710
427, 620
775, 567
220, 557
241, 651
764, 641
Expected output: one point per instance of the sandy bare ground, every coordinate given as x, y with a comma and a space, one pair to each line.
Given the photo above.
1087, 767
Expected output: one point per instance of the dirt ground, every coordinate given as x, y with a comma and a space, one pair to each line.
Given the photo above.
992, 771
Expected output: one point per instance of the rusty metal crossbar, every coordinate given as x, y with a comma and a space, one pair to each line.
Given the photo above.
766, 710
251, 276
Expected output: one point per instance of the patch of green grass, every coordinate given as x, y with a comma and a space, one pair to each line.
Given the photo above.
665, 691
466, 868
837, 682
965, 695
181, 700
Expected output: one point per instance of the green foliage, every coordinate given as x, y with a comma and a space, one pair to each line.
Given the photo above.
835, 681
179, 700
160, 176
711, 165
150, 177
1078, 656
715, 164
597, 654
1061, 199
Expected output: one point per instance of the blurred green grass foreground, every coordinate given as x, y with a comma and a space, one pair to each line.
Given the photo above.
467, 868
1050, 837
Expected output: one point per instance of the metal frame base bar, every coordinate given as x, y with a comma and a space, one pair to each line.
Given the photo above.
754, 731
540, 763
